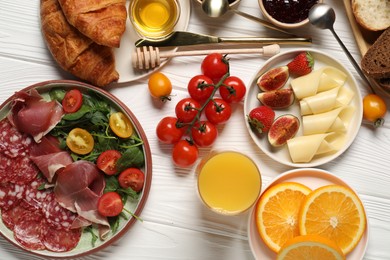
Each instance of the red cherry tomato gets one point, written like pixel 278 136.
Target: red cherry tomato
pixel 168 132
pixel 233 89
pixel 215 66
pixel 110 204
pixel 200 88
pixel 184 154
pixel 204 133
pixel 72 101
pixel 133 178
pixel 218 111
pixel 107 161
pixel 187 109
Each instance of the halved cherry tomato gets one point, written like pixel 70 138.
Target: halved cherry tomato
pixel 121 125
pixel 160 86
pixel 80 141
pixel 110 204
pixel 184 153
pixel 187 109
pixel 218 111
pixel 374 109
pixel 204 133
pixel 133 178
pixel 107 161
pixel 233 89
pixel 200 88
pixel 72 101
pixel 215 66
pixel 168 132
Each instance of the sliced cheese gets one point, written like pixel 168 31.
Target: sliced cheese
pixel 336 120
pixel 317 81
pixel 326 101
pixel 303 149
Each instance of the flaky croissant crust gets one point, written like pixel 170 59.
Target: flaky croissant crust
pixel 104 21
pixel 73 51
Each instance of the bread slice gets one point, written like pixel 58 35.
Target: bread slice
pixel 376 61
pixel 373 15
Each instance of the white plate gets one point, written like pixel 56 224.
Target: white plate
pixel 85 246
pixel 312 178
pixel 281 155
pixel 123 54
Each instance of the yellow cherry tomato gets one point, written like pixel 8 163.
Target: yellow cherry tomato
pixel 80 141
pixel 374 109
pixel 121 125
pixel 160 86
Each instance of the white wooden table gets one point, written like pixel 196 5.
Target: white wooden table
pixel 176 225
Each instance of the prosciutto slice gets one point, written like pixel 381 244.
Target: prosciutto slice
pixel 32 114
pixel 48 157
pixel 78 189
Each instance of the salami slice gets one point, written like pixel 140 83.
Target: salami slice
pixel 61 240
pixel 12 216
pixel 12 142
pixel 5 164
pixel 35 197
pixel 28 230
pixel 57 216
pixel 22 171
pixel 10 195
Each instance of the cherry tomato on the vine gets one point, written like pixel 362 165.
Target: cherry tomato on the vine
pixel 72 101
pixel 233 89
pixel 160 86
pixel 133 178
pixel 167 130
pixel 187 109
pixel 374 109
pixel 204 133
pixel 184 153
pixel 200 88
pixel 215 66
pixel 218 111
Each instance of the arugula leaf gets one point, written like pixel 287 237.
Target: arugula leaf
pixel 94 236
pixel 132 157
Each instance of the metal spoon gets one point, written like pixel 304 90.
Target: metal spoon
pixel 217 8
pixel 323 17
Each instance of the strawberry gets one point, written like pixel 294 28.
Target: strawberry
pixel 261 118
pixel 302 64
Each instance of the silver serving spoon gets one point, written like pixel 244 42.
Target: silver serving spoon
pixel 217 8
pixel 323 17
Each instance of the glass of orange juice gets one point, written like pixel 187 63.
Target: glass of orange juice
pixel 154 19
pixel 229 182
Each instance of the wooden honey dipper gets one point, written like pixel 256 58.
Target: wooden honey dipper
pixel 148 57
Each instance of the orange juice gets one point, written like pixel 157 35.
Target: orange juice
pixel 229 182
pixel 154 18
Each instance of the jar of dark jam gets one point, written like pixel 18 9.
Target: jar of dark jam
pixel 289 11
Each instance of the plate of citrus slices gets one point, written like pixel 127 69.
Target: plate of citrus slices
pixel 286 219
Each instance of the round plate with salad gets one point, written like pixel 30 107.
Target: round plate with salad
pixel 75 169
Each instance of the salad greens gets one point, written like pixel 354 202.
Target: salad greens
pixel 93 116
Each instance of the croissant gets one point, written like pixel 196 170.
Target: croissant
pixel 104 21
pixel 73 51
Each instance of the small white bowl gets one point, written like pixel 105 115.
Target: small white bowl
pixel 280 23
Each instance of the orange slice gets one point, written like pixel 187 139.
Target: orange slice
pixel 277 213
pixel 310 247
pixel 334 212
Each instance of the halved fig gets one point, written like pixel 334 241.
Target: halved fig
pixel 277 99
pixel 283 129
pixel 273 79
